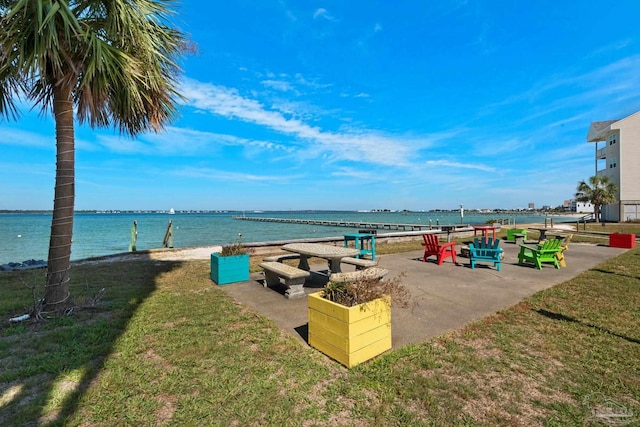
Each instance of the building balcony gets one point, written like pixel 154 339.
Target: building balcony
pixel 601 154
pixel 612 174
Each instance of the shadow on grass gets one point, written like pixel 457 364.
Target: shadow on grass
pixel 57 360
pixel 562 317
pixel 618 273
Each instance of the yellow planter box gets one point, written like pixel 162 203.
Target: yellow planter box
pixel 350 335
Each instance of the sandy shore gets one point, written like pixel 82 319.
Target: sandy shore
pixel 185 254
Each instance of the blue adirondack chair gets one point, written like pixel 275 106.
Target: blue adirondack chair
pixel 485 250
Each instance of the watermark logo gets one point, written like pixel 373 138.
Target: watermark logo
pixel 606 411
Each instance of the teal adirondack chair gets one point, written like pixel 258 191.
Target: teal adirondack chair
pixel 485 250
pixel 545 252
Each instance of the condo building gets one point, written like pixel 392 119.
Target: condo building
pixel 617 156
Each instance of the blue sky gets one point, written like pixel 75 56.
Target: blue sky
pixel 360 105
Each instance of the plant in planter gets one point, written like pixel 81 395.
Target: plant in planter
pixel 351 321
pixel 231 264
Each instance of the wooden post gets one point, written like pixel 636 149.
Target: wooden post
pixel 134 237
pixel 167 242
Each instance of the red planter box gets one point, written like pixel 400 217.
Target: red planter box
pixel 620 240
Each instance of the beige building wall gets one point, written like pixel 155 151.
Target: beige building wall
pixel 617 157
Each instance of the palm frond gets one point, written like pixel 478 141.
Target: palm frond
pixel 117 58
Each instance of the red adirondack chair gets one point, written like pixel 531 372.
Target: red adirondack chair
pixel 432 246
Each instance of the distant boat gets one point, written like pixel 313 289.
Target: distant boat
pixel 172 211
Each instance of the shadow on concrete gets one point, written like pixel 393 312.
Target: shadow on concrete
pixel 303 331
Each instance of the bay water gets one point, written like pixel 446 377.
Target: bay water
pixel 25 236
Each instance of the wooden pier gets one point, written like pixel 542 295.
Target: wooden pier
pixel 357 224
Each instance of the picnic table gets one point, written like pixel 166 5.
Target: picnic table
pixel 484 230
pixel 365 242
pixel 331 253
pixel 556 232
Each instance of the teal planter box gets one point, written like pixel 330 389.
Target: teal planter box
pixel 512 231
pixel 229 269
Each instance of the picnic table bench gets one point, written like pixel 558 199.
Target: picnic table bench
pixel 281 257
pixel 293 277
pixel 519 238
pixel 360 263
pixel 514 233
pixel 373 273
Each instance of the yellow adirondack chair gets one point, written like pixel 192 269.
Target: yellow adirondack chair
pixel 564 246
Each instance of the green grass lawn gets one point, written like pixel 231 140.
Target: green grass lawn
pixel 166 346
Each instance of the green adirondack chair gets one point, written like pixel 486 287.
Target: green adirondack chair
pixel 545 252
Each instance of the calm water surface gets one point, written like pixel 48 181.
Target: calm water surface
pixel 26 236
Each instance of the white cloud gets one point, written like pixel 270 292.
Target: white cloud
pixel 121 145
pixel 18 170
pixel 353 145
pixel 231 176
pixel 602 83
pixel 615 46
pixel 358 174
pixel 323 13
pixel 300 79
pixel 457 165
pixel 278 85
pixel 184 142
pixel 502 145
pixel 19 137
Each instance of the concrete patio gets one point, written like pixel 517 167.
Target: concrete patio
pixel 443 298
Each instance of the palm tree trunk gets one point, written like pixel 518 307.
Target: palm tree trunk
pixel 59 262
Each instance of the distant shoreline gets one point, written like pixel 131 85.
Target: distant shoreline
pixel 195 211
